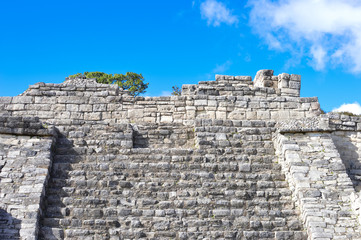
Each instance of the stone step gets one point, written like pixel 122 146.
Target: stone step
pixel 211 172
pixel 206 223
pixel 81 200
pixel 245 149
pixel 192 233
pixel 143 193
pixel 211 196
pixel 91 212
pixel 173 182
pixel 201 170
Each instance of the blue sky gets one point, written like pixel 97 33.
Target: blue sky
pixel 183 42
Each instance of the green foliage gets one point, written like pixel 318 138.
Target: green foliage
pixel 78 75
pixel 100 77
pixel 176 91
pixel 132 82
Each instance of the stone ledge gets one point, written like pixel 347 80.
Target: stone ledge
pixel 313 124
pixel 324 123
pixel 25 126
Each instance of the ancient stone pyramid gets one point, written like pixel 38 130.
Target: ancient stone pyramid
pixel 228 159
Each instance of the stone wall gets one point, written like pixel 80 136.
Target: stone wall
pixel 84 100
pixel 320 157
pixel 320 184
pixel 25 161
pixel 228 159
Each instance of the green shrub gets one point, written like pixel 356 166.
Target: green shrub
pixel 133 82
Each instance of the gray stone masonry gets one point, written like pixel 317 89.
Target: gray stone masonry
pixel 25 161
pixel 228 159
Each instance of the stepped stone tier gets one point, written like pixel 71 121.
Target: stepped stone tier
pixel 228 159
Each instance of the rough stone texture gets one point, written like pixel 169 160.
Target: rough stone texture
pixel 25 162
pixel 320 184
pixel 229 159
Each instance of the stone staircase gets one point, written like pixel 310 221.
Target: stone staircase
pixel 318 178
pixel 228 187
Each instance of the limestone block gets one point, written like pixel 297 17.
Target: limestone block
pixel 72 107
pixel 98 100
pixel 45 114
pixel 58 108
pixel 251 115
pixel 86 108
pixel 349 124
pixel 93 116
pixel 237 115
pixel 166 119
pixel 15 107
pixel 306 106
pixel 5 100
pixel 76 100
pixel 297 114
pixel 135 113
pixel 100 107
pixel 200 102
pixel 221 212
pixel 263 115
pixel 264 105
pixel 62 115
pixel 62 99
pixel 254 105
pixel 165 108
pixel 43 107
pixel 283 80
pixel 295 77
pixel 263 77
pixel 246 167
pixel 295 85
pixel 241 104
pixel 149 119
pixel 22 99
pixel 212 103
pixel 243 78
pixel 290 92
pixel 284 114
pixel 283 83
pixel 315 105
pixel 221 115
pixel 221 136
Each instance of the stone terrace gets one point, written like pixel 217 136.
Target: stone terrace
pixel 228 159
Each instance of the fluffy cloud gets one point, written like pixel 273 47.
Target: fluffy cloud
pixel 354 108
pixel 223 67
pixel 326 31
pixel 216 13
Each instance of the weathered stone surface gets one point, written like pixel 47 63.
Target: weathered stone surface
pixel 229 159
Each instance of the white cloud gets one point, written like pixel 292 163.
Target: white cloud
pixel 354 108
pixel 327 31
pixel 223 67
pixel 216 13
pixel 319 57
pixel 166 93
